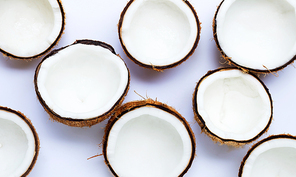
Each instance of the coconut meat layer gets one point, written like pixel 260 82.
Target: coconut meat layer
pixel 17 145
pixel 82 81
pixel 29 27
pixel 273 158
pixel 159 32
pixel 149 142
pixel 234 105
pixel 258 34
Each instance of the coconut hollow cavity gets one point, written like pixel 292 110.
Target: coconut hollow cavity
pixel 19 143
pixel 30 28
pixel 158 34
pixel 272 157
pixel 256 35
pixel 148 138
pixel 232 107
pixel 82 84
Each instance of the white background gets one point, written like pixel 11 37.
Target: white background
pixel 64 150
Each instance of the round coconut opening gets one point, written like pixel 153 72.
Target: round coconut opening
pixel 30 28
pixel 83 81
pixel 159 34
pixel 19 143
pixel 147 138
pixel 272 157
pixel 232 107
pixel 257 35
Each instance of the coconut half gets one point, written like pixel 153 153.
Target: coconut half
pixel 257 35
pixel 81 84
pixel 148 138
pixel 232 107
pixel 30 28
pixel 158 34
pixel 19 144
pixel 272 157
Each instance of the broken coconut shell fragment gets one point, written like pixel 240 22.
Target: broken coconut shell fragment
pixel 273 156
pixel 232 107
pixel 81 84
pixel 256 35
pixel 159 34
pixel 30 28
pixel 148 138
pixel 19 143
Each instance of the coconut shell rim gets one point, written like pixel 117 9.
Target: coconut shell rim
pixel 53 44
pixel 34 132
pixel 132 105
pixel 269 138
pixel 213 136
pixel 231 62
pixel 80 122
pixel 158 67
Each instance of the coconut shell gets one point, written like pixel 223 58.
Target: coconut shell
pixel 12 56
pixel 280 136
pixel 36 138
pixel 144 103
pixel 155 67
pixel 232 63
pixel 214 137
pixel 79 122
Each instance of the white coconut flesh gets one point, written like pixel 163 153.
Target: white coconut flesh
pixel 29 27
pixel 82 81
pixel 234 105
pixel 257 34
pixel 159 32
pixel 17 145
pixel 149 142
pixel 272 158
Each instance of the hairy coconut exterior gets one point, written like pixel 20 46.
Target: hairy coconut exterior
pixel 145 103
pixel 36 138
pixel 230 62
pixel 12 56
pixel 155 67
pixel 79 122
pixel 272 137
pixel 214 137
